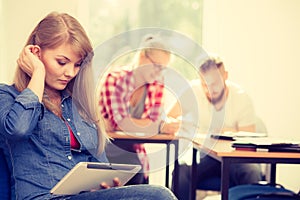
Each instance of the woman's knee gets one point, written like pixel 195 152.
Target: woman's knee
pixel 137 192
pixel 154 192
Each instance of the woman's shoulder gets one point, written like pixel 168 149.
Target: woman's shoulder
pixel 7 88
pixel 8 92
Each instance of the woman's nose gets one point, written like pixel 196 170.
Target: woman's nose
pixel 70 71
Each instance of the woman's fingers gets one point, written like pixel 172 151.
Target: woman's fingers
pixel 29 60
pixel 116 182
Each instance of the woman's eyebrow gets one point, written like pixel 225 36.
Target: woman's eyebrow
pixel 64 57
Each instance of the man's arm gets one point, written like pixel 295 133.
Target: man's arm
pixel 129 124
pixel 250 128
pixel 246 117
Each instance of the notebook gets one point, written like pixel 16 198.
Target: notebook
pixel 267 144
pixel 89 175
pixel 236 135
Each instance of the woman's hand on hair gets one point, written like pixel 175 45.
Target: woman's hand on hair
pixel 29 59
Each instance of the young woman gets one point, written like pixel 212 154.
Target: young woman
pixel 48 123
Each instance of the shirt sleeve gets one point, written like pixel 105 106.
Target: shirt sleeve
pixel 113 103
pixel 20 113
pixel 155 103
pixel 246 115
pixel 119 102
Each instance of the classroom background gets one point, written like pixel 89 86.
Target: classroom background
pixel 258 40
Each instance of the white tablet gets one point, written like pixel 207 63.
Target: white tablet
pixel 89 175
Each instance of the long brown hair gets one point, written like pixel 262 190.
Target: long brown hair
pixel 51 32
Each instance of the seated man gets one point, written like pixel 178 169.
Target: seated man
pixel 131 101
pixel 223 106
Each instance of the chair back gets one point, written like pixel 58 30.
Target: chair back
pixel 4 178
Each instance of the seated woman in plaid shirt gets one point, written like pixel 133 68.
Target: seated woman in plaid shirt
pixel 131 101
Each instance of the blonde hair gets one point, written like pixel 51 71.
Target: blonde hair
pixel 51 32
pixel 149 44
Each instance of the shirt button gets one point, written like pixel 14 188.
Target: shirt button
pixel 70 157
pixel 68 119
pixel 62 105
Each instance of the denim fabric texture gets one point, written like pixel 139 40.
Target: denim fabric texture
pixel 132 192
pixel 36 142
pixel 4 178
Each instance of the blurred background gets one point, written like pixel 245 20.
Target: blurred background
pixel 258 40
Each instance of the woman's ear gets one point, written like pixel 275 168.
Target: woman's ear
pixel 36 50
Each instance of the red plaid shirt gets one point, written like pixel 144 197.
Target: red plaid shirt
pixel 114 104
pixel 115 98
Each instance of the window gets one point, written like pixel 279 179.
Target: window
pixel 108 18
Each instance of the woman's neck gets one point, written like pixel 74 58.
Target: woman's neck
pixel 54 98
pixel 52 93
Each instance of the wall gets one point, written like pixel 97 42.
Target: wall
pixel 259 42
pixel 2 49
pixel 18 20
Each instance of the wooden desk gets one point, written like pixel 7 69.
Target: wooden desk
pixel 221 150
pixel 168 140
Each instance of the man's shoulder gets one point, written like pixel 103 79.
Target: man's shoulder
pixel 235 88
pixel 237 93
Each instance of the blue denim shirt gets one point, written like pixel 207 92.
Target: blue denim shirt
pixel 37 142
